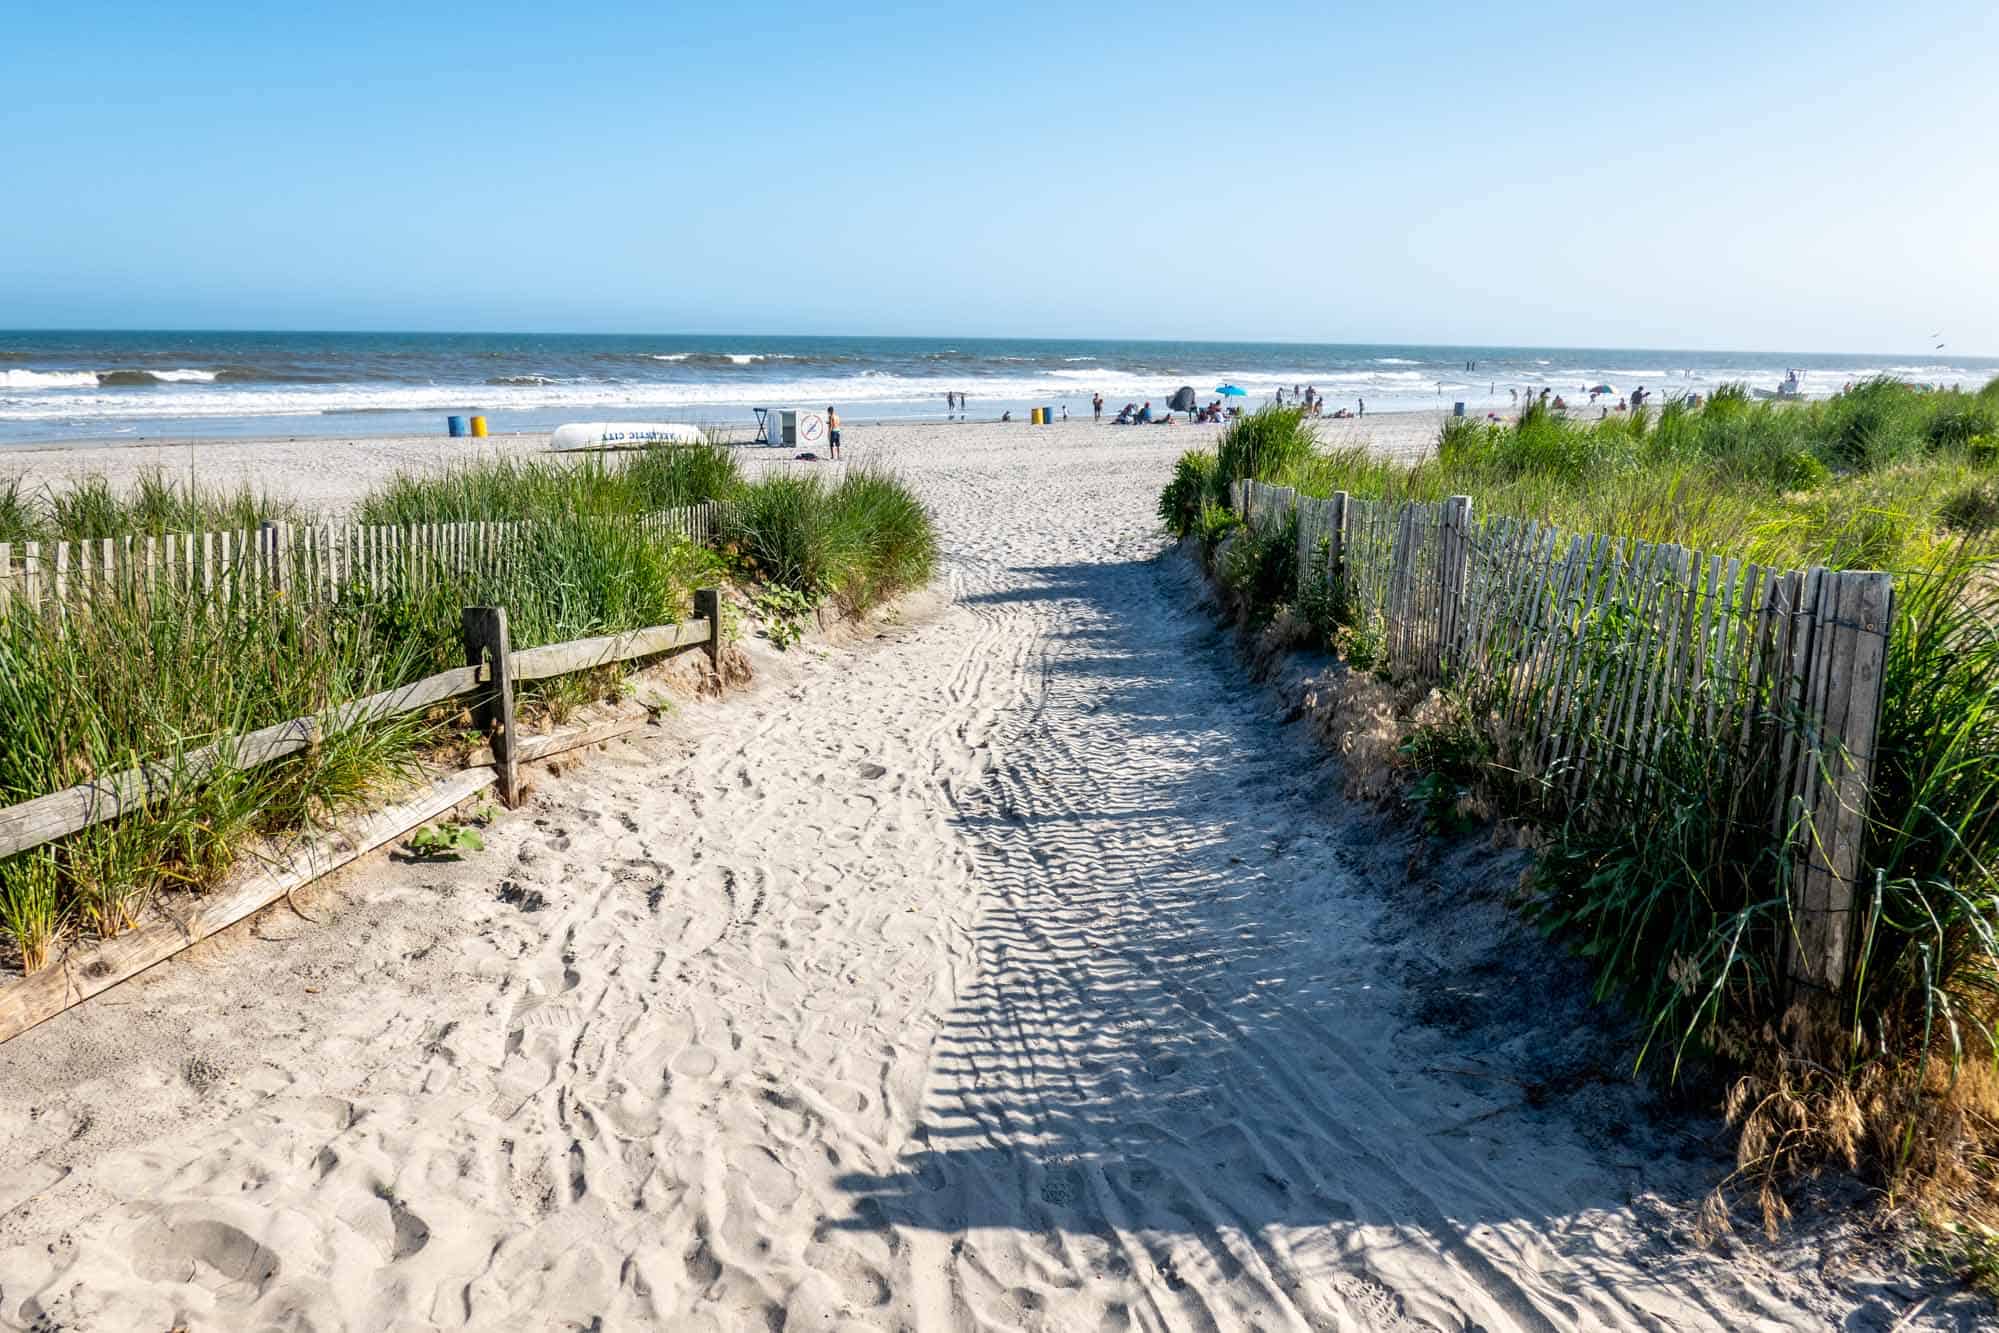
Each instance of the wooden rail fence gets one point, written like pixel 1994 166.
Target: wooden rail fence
pixel 492 670
pixel 1592 651
pixel 318 560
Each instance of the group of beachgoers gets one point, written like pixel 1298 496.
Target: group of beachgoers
pixel 1555 402
pixel 1141 414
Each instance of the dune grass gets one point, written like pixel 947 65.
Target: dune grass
pixel 511 489
pixel 1682 901
pixel 1877 478
pixel 857 541
pixel 157 503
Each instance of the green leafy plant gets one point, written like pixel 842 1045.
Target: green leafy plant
pixel 784 612
pixel 445 841
pixel 1448 756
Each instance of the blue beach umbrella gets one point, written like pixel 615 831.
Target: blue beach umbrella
pixel 1230 391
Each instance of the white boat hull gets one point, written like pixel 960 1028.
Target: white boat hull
pixel 622 435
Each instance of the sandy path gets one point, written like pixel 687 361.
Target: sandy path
pixel 1007 971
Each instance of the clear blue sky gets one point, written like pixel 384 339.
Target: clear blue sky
pixel 1778 176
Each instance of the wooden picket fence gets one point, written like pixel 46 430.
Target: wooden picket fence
pixel 1589 651
pixel 315 560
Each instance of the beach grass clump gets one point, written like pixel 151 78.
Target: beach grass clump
pixel 19 522
pixel 855 541
pixel 1263 445
pixel 1191 490
pixel 158 502
pixel 510 489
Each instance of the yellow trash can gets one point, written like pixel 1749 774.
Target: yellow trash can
pixel 479 427
pixel 1034 416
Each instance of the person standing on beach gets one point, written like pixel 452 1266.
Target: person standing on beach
pixel 1363 406
pixel 832 432
pixel 1096 407
pixel 950 401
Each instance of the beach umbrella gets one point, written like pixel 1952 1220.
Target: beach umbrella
pixel 1230 391
pixel 1183 399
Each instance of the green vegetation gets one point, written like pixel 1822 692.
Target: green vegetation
pixel 450 839
pixel 511 489
pixel 158 503
pixel 1681 902
pixel 1876 478
pixel 857 541
pixel 124 680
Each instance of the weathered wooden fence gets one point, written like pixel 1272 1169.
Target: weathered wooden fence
pixel 1592 652
pixel 492 670
pixel 313 560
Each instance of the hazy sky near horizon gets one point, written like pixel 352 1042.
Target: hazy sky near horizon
pixel 1786 177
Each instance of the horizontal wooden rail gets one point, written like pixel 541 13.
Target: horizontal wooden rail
pixel 59 814
pixel 560 659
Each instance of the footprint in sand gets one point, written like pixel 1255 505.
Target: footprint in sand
pixel 695 1062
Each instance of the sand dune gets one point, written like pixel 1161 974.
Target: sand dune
pixel 1006 969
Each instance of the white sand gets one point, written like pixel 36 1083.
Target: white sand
pixel 1010 970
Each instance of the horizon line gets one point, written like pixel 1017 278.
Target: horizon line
pixel 979 337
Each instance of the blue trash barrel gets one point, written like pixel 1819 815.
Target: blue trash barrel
pixel 1457 409
pixel 456 425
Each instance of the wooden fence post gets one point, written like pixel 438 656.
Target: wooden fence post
pixel 271 549
pixel 486 645
pixel 1452 561
pixel 1336 539
pixel 708 604
pixel 1849 647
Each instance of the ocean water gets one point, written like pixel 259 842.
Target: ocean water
pixel 122 386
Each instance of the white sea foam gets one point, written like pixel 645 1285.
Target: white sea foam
pixel 48 379
pixel 671 356
pixel 184 376
pixel 24 395
pixel 1395 361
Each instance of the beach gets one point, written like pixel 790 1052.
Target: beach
pixel 1006 963
pixel 330 474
